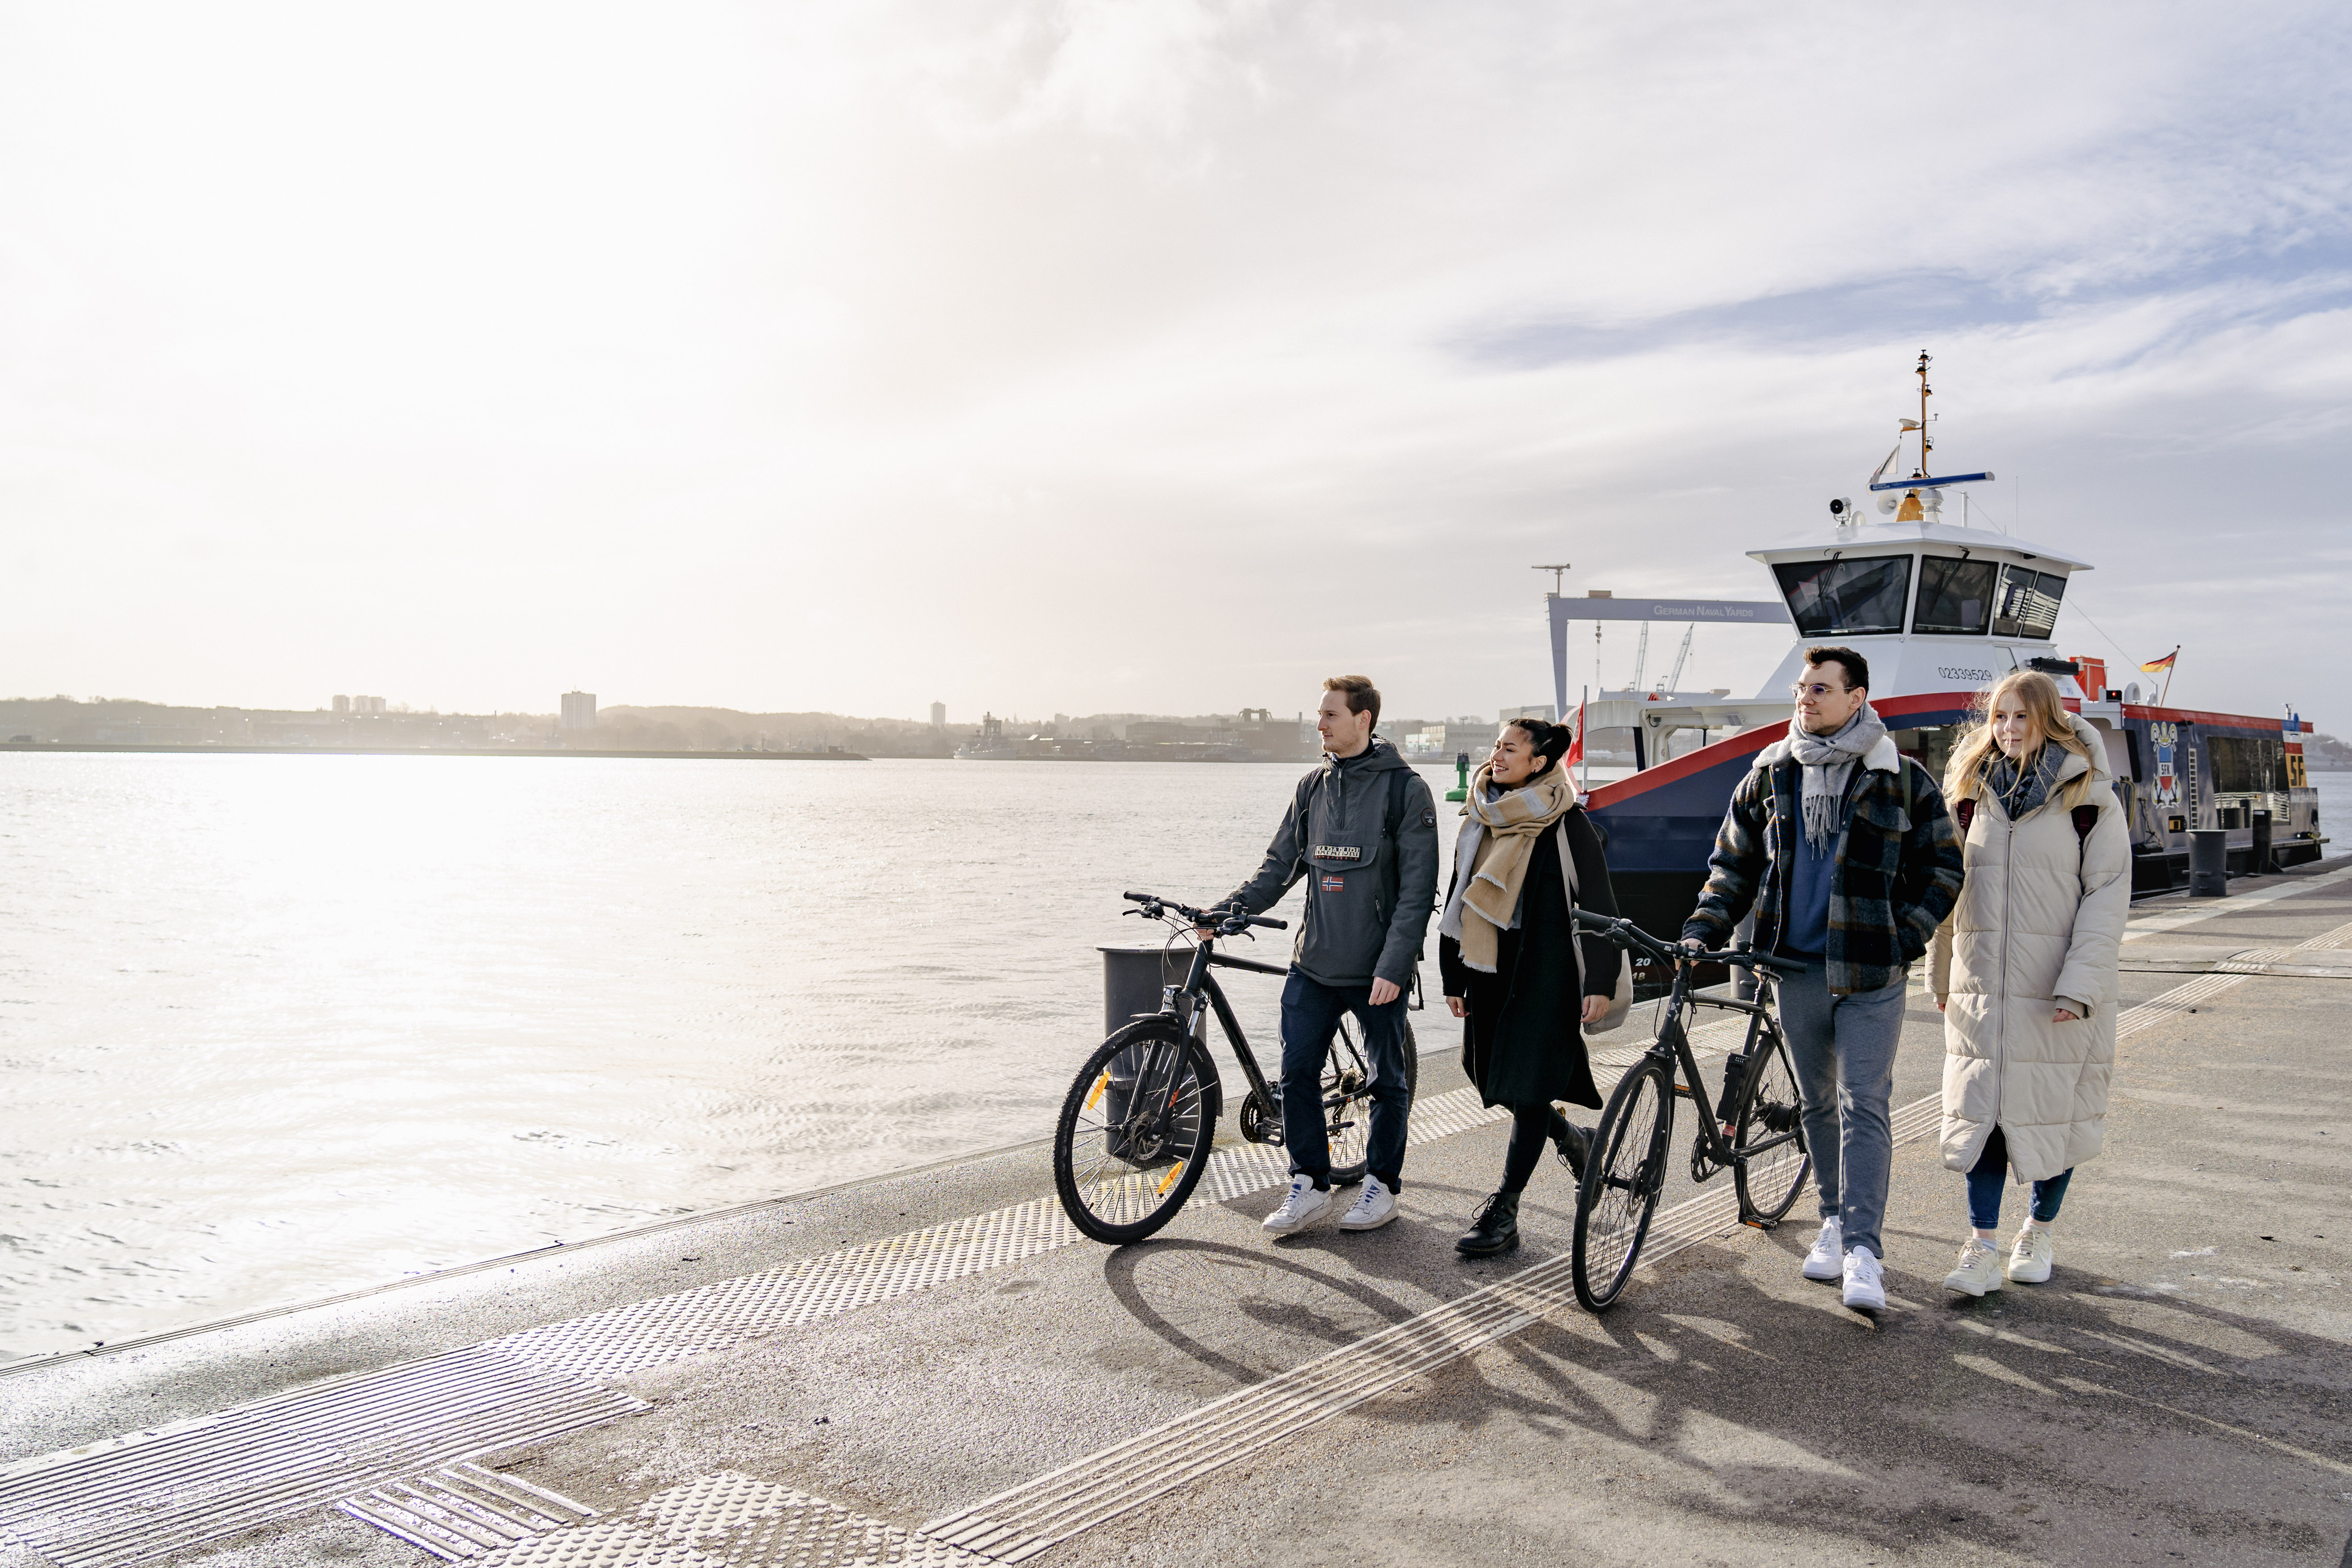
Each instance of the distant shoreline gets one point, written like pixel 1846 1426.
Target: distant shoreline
pixel 427 751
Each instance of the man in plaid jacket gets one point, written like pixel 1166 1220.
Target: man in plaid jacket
pixel 1842 847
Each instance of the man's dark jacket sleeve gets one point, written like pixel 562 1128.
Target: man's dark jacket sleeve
pixel 1735 871
pixel 1282 868
pixel 1927 887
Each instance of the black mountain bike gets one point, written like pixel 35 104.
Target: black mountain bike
pixel 1137 1128
pixel 1755 1131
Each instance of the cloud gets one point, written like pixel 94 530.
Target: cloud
pixel 1128 355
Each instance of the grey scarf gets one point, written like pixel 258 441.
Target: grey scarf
pixel 1828 761
pixel 2022 791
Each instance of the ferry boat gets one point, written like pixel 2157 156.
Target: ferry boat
pixel 987 743
pixel 1940 610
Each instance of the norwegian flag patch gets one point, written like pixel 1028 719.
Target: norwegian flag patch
pixel 1333 884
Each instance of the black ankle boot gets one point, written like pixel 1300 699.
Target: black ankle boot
pixel 1493 1229
pixel 1571 1143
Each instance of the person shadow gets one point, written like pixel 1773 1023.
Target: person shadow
pixel 2087 1410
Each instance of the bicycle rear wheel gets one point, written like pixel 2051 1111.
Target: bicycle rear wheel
pixel 1135 1131
pixel 1623 1175
pixel 1348 1100
pixel 1769 1160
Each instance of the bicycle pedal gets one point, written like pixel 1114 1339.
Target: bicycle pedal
pixel 1754 1223
pixel 1684 1091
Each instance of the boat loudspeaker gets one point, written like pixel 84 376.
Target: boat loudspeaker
pixel 1842 508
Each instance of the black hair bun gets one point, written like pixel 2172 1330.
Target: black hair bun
pixel 1549 740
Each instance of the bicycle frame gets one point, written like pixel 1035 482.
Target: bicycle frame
pixel 1199 982
pixel 1672 1045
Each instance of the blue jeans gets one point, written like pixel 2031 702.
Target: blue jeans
pixel 1843 1051
pixel 1311 1012
pixel 1985 1182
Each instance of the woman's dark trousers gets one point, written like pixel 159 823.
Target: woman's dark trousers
pixel 1533 1127
pixel 1992 1172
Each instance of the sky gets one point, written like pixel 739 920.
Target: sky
pixel 1137 355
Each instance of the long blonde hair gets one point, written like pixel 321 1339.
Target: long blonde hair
pixel 1977 748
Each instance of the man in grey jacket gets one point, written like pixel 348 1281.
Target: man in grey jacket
pixel 1362 830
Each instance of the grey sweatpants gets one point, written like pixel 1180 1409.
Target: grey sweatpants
pixel 1844 1048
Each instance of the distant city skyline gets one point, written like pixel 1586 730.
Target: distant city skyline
pixel 1029 354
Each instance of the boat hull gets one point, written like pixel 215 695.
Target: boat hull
pixel 1659 825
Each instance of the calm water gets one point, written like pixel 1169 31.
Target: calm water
pixel 275 1027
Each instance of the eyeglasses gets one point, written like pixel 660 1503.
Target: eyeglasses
pixel 1816 691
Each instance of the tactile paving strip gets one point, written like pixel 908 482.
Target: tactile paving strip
pixel 716 1317
pixel 739 1521
pixel 1016 1525
pixel 664 1329
pixel 289 1454
pixel 2231 972
pixel 463 1511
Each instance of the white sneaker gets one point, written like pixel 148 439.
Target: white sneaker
pixel 1826 1261
pixel 1374 1208
pixel 1301 1207
pixel 1865 1290
pixel 2030 1258
pixel 1979 1269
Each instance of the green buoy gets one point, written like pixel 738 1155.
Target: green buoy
pixel 1461 790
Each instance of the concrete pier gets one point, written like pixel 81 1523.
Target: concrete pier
pixel 931 1368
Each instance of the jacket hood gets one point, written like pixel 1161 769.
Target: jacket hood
pixel 2093 743
pixel 1380 757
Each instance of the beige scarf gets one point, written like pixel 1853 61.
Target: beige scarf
pixel 1514 824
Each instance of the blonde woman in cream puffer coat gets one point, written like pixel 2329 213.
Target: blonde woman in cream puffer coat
pixel 2025 971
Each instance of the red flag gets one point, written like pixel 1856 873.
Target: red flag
pixel 1575 746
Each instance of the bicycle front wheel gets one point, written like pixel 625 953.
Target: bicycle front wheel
pixel 1135 1131
pixel 1348 1100
pixel 1769 1160
pixel 1623 1174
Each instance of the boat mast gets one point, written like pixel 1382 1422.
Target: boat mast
pixel 1927 443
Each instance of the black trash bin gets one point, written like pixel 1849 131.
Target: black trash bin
pixel 2208 862
pixel 2260 862
pixel 1132 980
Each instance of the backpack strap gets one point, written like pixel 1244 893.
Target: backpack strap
pixel 1964 811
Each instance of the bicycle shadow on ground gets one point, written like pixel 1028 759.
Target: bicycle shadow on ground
pixel 2032 1421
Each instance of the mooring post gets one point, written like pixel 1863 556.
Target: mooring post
pixel 2209 863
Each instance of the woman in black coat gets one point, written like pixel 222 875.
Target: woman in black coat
pixel 1508 952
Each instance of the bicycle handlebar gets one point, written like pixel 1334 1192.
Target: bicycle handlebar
pixel 1626 934
pixel 1231 923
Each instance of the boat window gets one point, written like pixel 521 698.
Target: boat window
pixel 2027 603
pixel 1849 597
pixel 1955 596
pixel 2246 764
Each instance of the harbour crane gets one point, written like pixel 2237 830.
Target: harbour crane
pixel 1682 657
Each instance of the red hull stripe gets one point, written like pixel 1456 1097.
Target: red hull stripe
pixel 1749 741
pixel 2197 716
